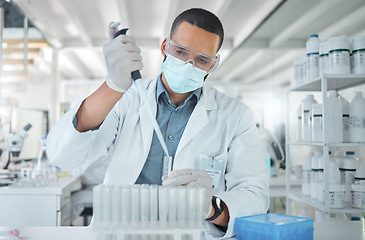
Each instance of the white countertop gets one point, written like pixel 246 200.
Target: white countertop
pixel 322 231
pixel 58 188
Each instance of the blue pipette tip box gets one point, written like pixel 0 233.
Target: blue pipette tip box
pixel 273 226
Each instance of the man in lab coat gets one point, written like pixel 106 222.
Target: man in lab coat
pixel 212 138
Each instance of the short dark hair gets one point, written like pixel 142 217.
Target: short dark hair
pixel 201 18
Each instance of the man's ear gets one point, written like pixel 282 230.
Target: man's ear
pixel 163 47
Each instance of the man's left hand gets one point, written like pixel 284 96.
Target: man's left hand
pixel 195 178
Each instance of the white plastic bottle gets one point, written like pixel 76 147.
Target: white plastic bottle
pixel 324 61
pixel 314 175
pixel 334 118
pixel 307 117
pixel 320 176
pixel 336 189
pixel 317 123
pixel 299 69
pixel 312 48
pixel 348 169
pixel 299 124
pixel 357 118
pixel 345 118
pixel 360 173
pixel 306 175
pixel 339 55
pixel 358 54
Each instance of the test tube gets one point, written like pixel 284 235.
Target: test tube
pixel 107 210
pixel 97 210
pixel 191 202
pixel 125 210
pixel 135 206
pixel 200 207
pixel 181 206
pixel 163 199
pixel 172 206
pixel 115 206
pixel 167 164
pixel 153 205
pixel 145 204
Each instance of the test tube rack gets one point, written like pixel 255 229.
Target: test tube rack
pixel 148 212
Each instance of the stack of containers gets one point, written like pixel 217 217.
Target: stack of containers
pixel 332 56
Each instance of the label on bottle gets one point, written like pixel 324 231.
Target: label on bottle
pixel 357 122
pixel 339 61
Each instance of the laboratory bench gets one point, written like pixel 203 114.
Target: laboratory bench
pixel 38 206
pixel 322 231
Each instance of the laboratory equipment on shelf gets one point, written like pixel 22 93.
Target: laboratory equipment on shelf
pixel 148 211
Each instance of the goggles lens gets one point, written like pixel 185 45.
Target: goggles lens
pixel 199 60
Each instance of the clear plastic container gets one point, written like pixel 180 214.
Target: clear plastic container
pixel 273 226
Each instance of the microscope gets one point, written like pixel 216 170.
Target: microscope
pixel 15 142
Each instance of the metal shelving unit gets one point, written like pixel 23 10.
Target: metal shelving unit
pixel 323 85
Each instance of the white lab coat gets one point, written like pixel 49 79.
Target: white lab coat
pixel 219 126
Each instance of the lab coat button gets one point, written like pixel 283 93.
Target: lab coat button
pixel 175 110
pixel 171 137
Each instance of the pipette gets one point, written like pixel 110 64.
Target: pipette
pixel 136 76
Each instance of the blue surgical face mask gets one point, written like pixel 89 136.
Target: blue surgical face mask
pixel 182 77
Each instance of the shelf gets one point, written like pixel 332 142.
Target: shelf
pixel 334 82
pixel 327 144
pixel 314 203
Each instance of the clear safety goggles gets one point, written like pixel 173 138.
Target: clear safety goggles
pixel 186 55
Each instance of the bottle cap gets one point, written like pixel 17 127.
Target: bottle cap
pixel 336 43
pixel 358 43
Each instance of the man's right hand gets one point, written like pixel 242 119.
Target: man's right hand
pixel 122 57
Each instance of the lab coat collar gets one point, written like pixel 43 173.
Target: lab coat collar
pixel 198 119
